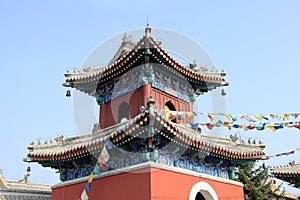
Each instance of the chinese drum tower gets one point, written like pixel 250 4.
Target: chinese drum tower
pixel 145 145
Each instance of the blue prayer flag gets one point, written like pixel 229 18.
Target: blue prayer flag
pixel 88 186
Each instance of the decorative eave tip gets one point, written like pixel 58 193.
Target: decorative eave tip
pixel 27 159
pixel 66 84
pixel 226 83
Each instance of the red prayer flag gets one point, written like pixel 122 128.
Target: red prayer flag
pixel 250 127
pixel 297 126
pixel 210 126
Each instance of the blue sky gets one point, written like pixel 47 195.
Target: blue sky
pixel 256 42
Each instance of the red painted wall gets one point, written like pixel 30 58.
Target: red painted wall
pixel 109 112
pixel 172 185
pixel 143 185
pixel 131 186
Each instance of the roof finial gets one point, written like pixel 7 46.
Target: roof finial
pixel 151 102
pixel 147 29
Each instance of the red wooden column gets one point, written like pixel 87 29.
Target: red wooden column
pixel 147 88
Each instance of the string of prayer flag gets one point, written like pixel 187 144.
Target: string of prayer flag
pixel 257 122
pixel 234 117
pixel 282 154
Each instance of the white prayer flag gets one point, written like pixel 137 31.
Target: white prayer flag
pixel 84 195
pixel 104 156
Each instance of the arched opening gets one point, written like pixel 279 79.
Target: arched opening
pixel 170 106
pixel 123 111
pixel 199 196
pixel 203 191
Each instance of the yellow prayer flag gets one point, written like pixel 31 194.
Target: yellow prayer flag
pixel 287 116
pixel 91 177
pixel 258 117
pixel 112 134
pixel 298 149
pixel 168 113
pixel 271 128
pixel 226 124
pixel 228 116
pixel 190 115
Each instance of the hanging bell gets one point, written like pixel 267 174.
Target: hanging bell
pixel 223 92
pixel 28 169
pixel 68 94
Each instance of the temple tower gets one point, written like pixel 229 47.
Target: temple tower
pixel 144 146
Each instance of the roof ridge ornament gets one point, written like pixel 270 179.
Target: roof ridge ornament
pixel 147 30
pixel 127 38
pixel 193 65
pixel 292 163
pixel 59 139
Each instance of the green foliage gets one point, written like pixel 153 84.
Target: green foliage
pixel 257 185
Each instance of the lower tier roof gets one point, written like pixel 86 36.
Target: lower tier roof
pixel 150 120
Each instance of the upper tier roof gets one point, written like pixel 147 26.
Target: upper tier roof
pixel 130 55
